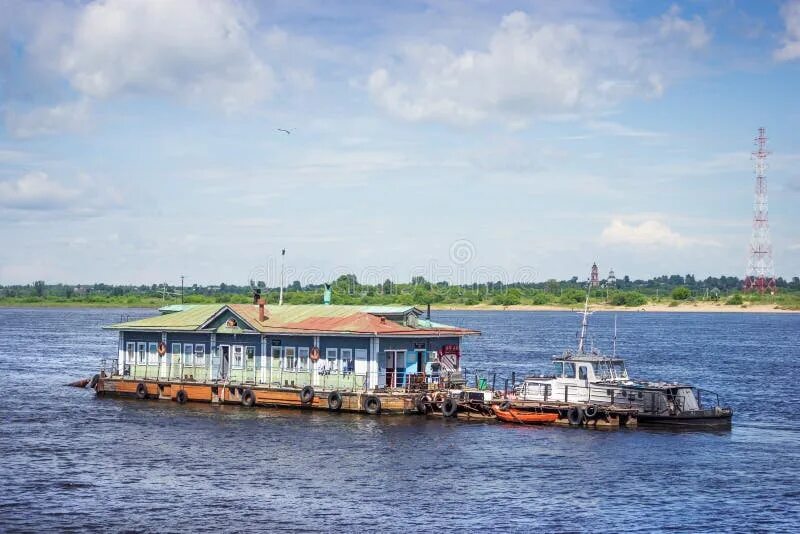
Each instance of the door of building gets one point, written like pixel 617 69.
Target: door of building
pixel 225 361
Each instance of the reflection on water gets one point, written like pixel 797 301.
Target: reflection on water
pixel 79 462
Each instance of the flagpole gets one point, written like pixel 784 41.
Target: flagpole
pixel 280 298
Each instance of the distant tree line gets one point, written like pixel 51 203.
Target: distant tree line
pixel 348 290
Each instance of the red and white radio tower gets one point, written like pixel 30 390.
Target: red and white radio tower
pixel 760 274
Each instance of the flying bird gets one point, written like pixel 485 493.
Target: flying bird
pixel 282 130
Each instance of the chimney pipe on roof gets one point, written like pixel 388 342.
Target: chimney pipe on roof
pixel 429 312
pixel 261 315
pixel 256 294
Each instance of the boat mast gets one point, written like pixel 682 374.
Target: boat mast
pixel 614 342
pixel 584 322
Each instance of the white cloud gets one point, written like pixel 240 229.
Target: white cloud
pixel 187 48
pixel 531 68
pixel 620 130
pixel 35 191
pixel 66 117
pixel 693 30
pixel 85 196
pixel 790 11
pixel 647 234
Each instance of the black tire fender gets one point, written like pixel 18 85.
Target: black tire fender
pixel 422 404
pixel 505 405
pixel 181 396
pixel 141 391
pixel 248 398
pixel 575 416
pixel 335 401
pixel 94 381
pixel 449 407
pixel 307 395
pixel 372 405
pixel 590 410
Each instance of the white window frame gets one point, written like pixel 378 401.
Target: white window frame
pixel 199 355
pixel 247 349
pixel 290 358
pixel 234 350
pixel 130 352
pixel 141 353
pixel 302 358
pixel 188 355
pixel 348 364
pixel 152 353
pixel 332 363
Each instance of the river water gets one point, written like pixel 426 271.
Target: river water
pixel 71 461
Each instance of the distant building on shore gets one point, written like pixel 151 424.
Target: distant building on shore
pixel 594 281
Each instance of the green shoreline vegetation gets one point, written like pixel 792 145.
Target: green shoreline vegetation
pixel 669 291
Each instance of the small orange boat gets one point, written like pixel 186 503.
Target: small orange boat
pixel 524 417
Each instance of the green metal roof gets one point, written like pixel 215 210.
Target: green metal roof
pixel 306 318
pixel 174 308
pixel 189 319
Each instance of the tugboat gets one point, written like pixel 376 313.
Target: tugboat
pixel 596 380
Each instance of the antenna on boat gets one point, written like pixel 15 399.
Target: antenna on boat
pixel 614 339
pixel 585 321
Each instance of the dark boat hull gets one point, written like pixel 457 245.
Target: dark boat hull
pixel 707 420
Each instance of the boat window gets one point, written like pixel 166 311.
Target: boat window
pixel 619 370
pixel 141 354
pixel 583 373
pixel 238 357
pixel 188 355
pixel 347 361
pixel 599 370
pixel 200 355
pixel 130 352
pixel 176 349
pixel 302 358
pixel 558 368
pixel 250 356
pixel 569 370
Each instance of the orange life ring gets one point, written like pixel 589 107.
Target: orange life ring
pixel 162 348
pixel 314 354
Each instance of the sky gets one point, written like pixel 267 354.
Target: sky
pixel 460 141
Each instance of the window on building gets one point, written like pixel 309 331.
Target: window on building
pixel 569 370
pixel 348 365
pixel 250 357
pixel 176 350
pixel 152 354
pixel 188 355
pixel 331 356
pixel 141 354
pixel 302 358
pixel 200 355
pixel 290 358
pixel 130 352
pixel 238 357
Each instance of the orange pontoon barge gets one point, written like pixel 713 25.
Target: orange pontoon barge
pixel 373 359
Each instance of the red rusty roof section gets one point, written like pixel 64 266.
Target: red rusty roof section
pixel 334 319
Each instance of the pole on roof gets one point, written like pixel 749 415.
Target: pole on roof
pixel 181 289
pixel 280 297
